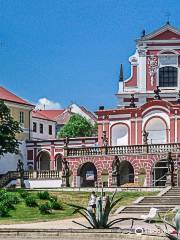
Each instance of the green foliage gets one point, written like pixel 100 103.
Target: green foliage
pixel 45 208
pixel 98 220
pixel 8 201
pixel 9 197
pixel 55 205
pixel 8 130
pixel 77 126
pixel 24 194
pixel 53 198
pixel 44 195
pixel 31 201
pixel 4 210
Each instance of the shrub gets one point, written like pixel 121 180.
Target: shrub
pixel 53 198
pixel 44 195
pixel 9 199
pixel 31 201
pixel 4 210
pixel 13 198
pixel 55 205
pixel 24 194
pixel 8 204
pixel 45 208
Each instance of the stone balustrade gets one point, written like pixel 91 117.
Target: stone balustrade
pixel 124 150
pixel 45 174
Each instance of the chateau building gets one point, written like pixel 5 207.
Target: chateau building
pixel 139 141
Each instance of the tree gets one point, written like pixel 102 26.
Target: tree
pixel 78 126
pixel 8 130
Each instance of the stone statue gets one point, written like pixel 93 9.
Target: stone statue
pixel 157 91
pixel 115 166
pixel 65 171
pixel 20 169
pixel 145 137
pixel 66 142
pixel 132 101
pixel 104 139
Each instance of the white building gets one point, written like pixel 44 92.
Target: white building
pixel 43 127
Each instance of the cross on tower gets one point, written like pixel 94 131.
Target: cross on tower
pixel 168 15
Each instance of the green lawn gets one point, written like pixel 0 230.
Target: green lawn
pixel 22 213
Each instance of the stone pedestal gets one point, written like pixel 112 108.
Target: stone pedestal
pixel 115 180
pixel 20 183
pixel 65 181
pixel 168 180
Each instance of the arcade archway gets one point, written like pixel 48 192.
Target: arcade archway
pixel 87 175
pixel 58 160
pixel 126 173
pixel 159 173
pixel 43 161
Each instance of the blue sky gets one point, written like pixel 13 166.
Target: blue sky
pixel 71 50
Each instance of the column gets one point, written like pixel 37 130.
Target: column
pixel 172 130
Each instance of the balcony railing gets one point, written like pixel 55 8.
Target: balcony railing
pixel 124 150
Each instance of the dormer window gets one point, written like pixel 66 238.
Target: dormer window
pixel 168 77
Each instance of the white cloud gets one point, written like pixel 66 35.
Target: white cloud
pixel 44 103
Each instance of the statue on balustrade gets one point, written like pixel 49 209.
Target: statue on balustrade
pixel 170 169
pixel 145 137
pixel 66 142
pixel 115 171
pixel 65 173
pixel 20 170
pixel 104 139
pixel 65 168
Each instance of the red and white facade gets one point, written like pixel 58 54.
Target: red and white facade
pixel 153 52
pixel 156 62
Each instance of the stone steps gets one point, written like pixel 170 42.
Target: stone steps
pixel 160 200
pixel 143 209
pixel 169 200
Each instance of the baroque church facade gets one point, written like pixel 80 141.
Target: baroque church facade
pixel 141 132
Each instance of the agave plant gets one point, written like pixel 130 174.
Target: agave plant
pixel 99 219
pixel 175 225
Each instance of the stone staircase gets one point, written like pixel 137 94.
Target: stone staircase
pixel 166 200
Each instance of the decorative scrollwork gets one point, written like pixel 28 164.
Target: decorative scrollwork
pixel 152 67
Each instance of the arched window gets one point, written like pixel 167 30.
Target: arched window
pixel 157 130
pixel 119 135
pixel 168 77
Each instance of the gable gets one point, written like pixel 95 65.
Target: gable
pixel 166 35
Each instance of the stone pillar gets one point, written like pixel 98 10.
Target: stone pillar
pixel 100 133
pixel 172 130
pixel 52 163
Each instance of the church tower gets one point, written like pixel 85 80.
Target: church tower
pixel 156 62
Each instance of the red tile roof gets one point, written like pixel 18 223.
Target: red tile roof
pixel 11 97
pixel 51 114
pixel 39 114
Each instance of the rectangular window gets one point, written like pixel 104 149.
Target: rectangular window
pixel 34 127
pixel 41 128
pixel 21 117
pixel 50 129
